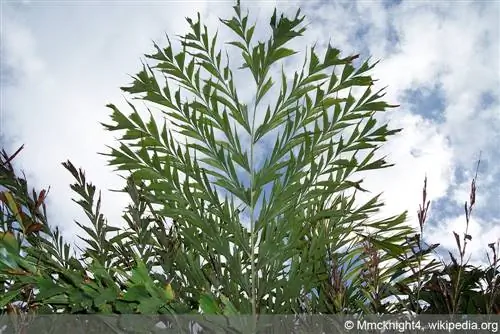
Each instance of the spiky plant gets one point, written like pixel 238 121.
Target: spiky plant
pixel 266 228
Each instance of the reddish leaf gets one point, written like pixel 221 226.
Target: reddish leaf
pixel 41 198
pixel 13 155
pixel 457 239
pixel 34 227
pixel 19 272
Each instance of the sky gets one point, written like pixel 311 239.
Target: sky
pixel 61 62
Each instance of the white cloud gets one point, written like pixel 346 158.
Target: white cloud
pixel 419 150
pixel 482 233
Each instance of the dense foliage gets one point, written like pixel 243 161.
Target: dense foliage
pixel 213 226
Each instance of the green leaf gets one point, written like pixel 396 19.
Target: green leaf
pixel 238 45
pixel 208 305
pixel 105 296
pixel 265 88
pixel 396 250
pixel 149 306
pixel 58 300
pixel 8 298
pixel 125 307
pixel 9 241
pixel 14 208
pixel 314 62
pixel 135 293
pixel 249 34
pixel 358 146
pixel 331 56
pixel 179 58
pixel 229 308
pixel 170 295
pixel 234 25
pixel 49 289
pixel 281 53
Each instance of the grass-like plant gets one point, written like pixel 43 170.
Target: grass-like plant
pixel 459 287
pixel 455 287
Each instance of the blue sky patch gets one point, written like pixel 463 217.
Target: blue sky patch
pixel 428 103
pixel 391 3
pixel 487 99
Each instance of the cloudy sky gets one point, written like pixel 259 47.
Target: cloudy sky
pixel 63 61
